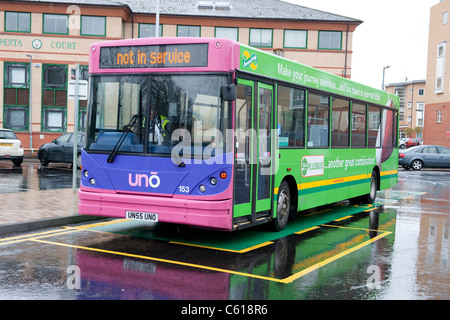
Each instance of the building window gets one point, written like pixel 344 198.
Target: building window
pixel 330 40
pixel 54 97
pixel 56 23
pixel 82 104
pixel 445 17
pixel 439 116
pixel 148 30
pixel 295 39
pixel 440 67
pixel 227 33
pixel 17 22
pixel 419 113
pixel 188 31
pixel 16 96
pixel 421 92
pixel 261 37
pixel 93 26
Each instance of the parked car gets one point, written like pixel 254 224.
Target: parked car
pixel 10 147
pixel 409 142
pixel 401 143
pixel 425 157
pixel 61 149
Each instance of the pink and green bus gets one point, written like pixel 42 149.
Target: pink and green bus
pixel 212 133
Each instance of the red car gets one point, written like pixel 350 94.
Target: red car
pixel 411 142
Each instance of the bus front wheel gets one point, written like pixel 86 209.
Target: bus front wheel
pixel 283 207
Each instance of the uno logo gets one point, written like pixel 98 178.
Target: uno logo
pixel 250 60
pixel 143 180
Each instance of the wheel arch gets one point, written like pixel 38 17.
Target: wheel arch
pixel 376 169
pixel 293 190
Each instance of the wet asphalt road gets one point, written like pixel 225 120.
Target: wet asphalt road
pixel 399 249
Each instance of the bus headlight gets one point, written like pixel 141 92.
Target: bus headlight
pixel 213 181
pixel 202 188
pixel 92 181
pixel 86 174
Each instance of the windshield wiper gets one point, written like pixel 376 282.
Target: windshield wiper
pixel 126 130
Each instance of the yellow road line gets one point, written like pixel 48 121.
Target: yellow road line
pixel 222 249
pixel 344 218
pixel 34 235
pixel 306 230
pixel 331 259
pixel 158 260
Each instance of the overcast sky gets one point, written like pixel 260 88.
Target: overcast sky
pixel 394 33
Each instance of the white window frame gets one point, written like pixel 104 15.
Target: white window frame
pixel 440 67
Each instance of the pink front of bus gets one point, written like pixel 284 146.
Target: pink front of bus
pixel 159 131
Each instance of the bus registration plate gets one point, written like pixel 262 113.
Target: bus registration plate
pixel 143 216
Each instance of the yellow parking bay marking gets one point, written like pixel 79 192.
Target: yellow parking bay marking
pixel 306 230
pixel 198 266
pixel 316 266
pixel 343 218
pixel 223 249
pixel 158 260
pixel 36 236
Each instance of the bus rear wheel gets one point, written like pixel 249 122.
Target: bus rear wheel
pixel 283 207
pixel 372 195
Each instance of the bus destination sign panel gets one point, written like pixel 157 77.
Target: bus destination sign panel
pixel 154 56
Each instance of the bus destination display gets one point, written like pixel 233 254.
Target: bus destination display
pixel 154 56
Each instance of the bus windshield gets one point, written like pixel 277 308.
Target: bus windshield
pixel 154 113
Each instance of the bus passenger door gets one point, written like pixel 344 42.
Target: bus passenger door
pixel 263 118
pixel 253 149
pixel 243 153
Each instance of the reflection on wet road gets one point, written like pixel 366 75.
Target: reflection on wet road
pixel 398 249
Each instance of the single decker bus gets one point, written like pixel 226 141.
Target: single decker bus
pixel 212 133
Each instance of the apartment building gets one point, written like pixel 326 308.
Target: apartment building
pixel 41 41
pixel 412 107
pixel 437 120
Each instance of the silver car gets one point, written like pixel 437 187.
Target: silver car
pixel 10 147
pixel 424 157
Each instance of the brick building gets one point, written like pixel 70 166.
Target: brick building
pixel 41 41
pixel 437 119
pixel 412 107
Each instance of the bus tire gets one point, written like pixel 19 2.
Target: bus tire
pixel 372 195
pixel 283 207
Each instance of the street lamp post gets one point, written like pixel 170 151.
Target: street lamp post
pixel 30 125
pixel 384 69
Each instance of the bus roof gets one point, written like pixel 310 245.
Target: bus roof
pixel 179 54
pixel 262 63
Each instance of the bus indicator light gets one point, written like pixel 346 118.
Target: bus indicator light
pixel 223 175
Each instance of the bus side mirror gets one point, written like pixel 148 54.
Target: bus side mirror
pixel 228 92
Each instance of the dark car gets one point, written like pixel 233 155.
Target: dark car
pixel 425 157
pixel 61 149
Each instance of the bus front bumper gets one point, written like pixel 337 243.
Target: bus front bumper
pixel 209 214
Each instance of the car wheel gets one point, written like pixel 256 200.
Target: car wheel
pixel 283 207
pixel 17 162
pixel 417 165
pixel 79 161
pixel 43 158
